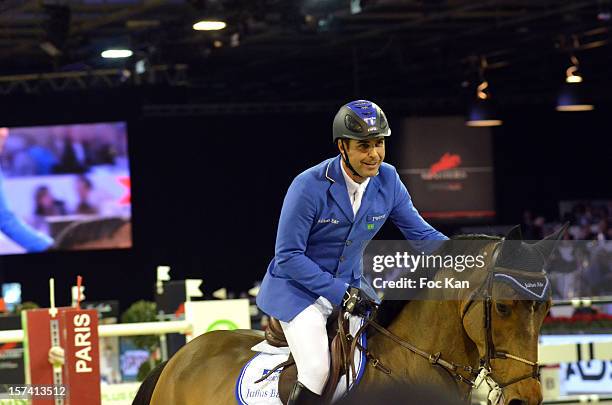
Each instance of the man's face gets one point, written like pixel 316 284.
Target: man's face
pixel 366 156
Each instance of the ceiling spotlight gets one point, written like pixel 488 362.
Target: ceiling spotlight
pixel 604 10
pixel 482 111
pixel 603 16
pixel 571 75
pixel 235 40
pixel 206 25
pixel 573 79
pixel 117 53
pixel 573 96
pixel 50 48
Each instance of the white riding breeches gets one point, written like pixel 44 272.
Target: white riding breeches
pixel 306 335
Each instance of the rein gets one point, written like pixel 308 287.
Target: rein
pixel 476 375
pixel 435 359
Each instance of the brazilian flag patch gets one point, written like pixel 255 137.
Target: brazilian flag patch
pixel 370 226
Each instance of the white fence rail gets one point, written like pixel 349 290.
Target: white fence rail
pixel 120 329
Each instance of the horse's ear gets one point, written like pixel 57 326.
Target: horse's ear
pixel 514 233
pixel 559 234
pixel 548 244
pixel 512 242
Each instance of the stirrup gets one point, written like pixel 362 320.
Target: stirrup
pixel 300 395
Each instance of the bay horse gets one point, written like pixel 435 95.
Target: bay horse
pixel 452 344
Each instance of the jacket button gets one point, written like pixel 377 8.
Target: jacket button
pixel 348 242
pixel 341 258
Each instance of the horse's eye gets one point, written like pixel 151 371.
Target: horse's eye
pixel 502 309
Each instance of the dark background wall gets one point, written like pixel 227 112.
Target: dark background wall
pixel 207 190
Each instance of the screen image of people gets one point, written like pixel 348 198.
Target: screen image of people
pixel 64 187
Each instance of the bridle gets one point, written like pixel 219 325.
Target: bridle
pixel 473 377
pixel 485 292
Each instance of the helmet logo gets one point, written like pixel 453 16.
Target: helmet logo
pixel 370 121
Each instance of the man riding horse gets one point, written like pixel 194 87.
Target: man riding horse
pixel 328 212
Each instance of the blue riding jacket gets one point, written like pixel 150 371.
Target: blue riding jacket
pixel 319 242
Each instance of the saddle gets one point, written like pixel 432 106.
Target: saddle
pixel 341 353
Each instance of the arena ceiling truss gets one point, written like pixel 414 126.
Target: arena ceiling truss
pixel 310 49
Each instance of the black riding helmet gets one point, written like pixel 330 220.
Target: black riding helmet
pixel 359 119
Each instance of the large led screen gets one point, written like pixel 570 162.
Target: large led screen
pixel 64 187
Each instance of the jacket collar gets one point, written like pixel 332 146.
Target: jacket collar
pixel 339 191
pixel 337 188
pixel 332 171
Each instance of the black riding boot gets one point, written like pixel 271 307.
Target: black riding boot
pixel 300 395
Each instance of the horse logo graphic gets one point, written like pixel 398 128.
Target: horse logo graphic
pixel 446 162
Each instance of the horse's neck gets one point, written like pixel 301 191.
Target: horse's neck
pixel 432 326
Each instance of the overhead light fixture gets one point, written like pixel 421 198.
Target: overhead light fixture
pixel 117 53
pixel 571 74
pixel 235 40
pixel 50 49
pixel 206 25
pixel 140 67
pixel 482 111
pixel 604 10
pixel 573 95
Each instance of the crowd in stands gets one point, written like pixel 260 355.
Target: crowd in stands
pixel 582 264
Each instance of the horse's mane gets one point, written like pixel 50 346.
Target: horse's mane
pixel 390 309
pixel 81 232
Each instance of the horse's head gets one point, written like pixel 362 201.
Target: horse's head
pixel 503 314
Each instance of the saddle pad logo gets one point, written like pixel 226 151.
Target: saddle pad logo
pixel 527 286
pixel 265 392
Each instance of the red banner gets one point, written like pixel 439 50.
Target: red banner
pixel 82 367
pixel 76 331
